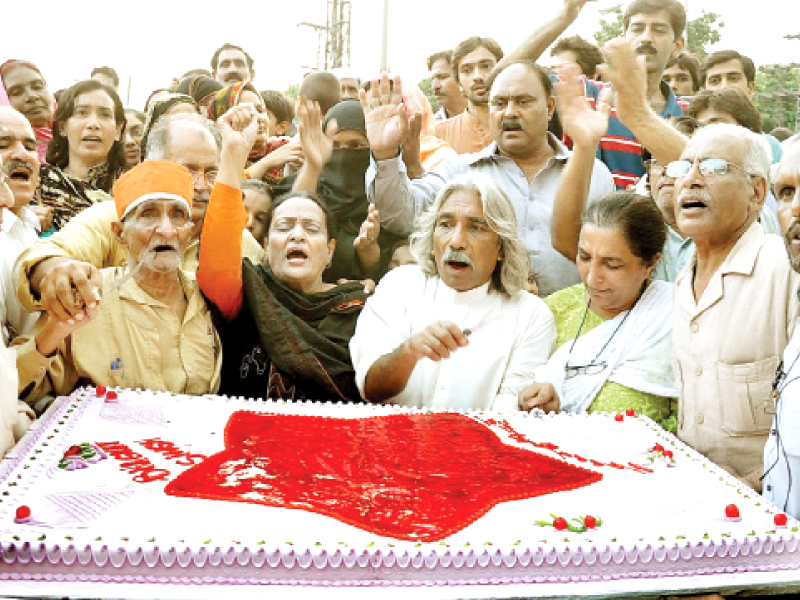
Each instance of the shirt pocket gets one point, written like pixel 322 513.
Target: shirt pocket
pixel 746 396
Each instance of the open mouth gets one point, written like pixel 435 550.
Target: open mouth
pixel 692 203
pixel 163 248
pixel 21 175
pixel 296 255
pixel 91 138
pixel 457 265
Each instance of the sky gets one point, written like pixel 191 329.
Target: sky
pixel 150 41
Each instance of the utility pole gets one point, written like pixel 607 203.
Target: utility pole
pixel 385 38
pixel 337 36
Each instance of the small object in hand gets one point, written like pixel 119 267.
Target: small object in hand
pixel 467 332
pixel 22 515
pixel 781 519
pixel 111 396
pixel 732 513
pixel 100 391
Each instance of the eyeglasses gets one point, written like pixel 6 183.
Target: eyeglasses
pixel 709 167
pixel 208 177
pixel 593 368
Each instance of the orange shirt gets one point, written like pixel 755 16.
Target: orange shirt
pixel 464 133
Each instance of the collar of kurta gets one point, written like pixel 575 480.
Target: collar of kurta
pixel 492 152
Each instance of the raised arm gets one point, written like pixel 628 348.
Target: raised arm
pixel 540 40
pixel 387 182
pixel 317 145
pixel 627 73
pixel 220 270
pixel 585 126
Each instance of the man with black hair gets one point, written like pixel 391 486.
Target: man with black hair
pixel 444 86
pixel 106 76
pixel 231 64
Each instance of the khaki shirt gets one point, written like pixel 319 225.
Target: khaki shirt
pixel 727 349
pixel 143 338
pixel 88 238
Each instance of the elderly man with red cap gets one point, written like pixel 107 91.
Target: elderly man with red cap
pixel 152 328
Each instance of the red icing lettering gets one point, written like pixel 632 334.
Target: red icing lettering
pixel 518 437
pixel 171 452
pixel 134 463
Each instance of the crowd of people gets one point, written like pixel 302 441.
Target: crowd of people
pixel 615 231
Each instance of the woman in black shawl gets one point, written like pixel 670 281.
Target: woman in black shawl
pixel 285 332
pixel 342 186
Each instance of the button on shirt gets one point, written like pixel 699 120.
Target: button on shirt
pixel 16 235
pixel 511 336
pixel 727 347
pixel 782 450
pixel 401 200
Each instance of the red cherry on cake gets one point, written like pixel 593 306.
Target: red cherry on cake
pixel 560 523
pixel 590 522
pixel 100 390
pixel 72 451
pixel 23 513
pixel 732 511
pixel 111 395
pixel 781 519
pixel 658 448
pixel 619 417
pixel 667 453
pixel 630 412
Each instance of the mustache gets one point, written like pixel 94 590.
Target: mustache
pixel 11 165
pixel 457 256
pixel 704 195
pixel 646 48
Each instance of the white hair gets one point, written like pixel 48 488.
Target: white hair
pixel 510 274
pixel 757 153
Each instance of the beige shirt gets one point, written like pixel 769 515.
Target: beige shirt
pixel 727 349
pixel 88 238
pixel 143 338
pixel 465 133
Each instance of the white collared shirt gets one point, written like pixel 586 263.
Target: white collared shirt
pixel 16 235
pixel 511 336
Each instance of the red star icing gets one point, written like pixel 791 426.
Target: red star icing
pixel 410 477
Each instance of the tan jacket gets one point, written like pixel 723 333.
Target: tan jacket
pixel 143 338
pixel 727 349
pixel 88 238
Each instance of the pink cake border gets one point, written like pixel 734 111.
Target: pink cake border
pixel 240 566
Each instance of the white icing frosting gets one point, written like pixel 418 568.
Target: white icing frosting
pixel 670 521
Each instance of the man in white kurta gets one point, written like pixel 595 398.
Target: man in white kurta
pixel 456 331
pixel 509 338
pixel 782 450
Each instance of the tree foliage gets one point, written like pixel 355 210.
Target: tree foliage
pixel 777 95
pixel 701 32
pixel 426 85
pixel 610 25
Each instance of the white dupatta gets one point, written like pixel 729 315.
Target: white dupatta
pixel 638 356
